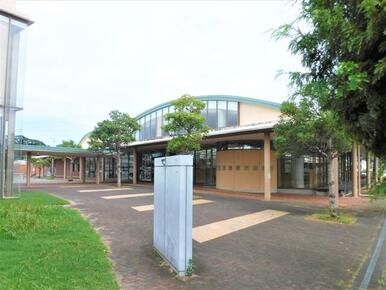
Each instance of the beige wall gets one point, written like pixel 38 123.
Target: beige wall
pixel 243 170
pixel 252 114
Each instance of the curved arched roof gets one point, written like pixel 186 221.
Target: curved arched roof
pixel 245 100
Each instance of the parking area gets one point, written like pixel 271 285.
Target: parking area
pixel 239 243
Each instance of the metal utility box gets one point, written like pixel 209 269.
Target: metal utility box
pixel 173 194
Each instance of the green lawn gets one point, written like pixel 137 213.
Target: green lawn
pixel 46 246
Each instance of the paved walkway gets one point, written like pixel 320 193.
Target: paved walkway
pixel 284 252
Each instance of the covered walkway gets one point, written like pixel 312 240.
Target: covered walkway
pixel 68 155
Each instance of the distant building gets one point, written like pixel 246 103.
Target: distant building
pixel 234 154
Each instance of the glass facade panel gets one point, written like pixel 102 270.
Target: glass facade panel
pixel 109 169
pixel 164 112
pixel 221 114
pixel 205 167
pixel 217 114
pixel 159 124
pixel 233 113
pixel 11 67
pixel 153 125
pixel 147 127
pixel 146 165
pixel 90 167
pixel 304 172
pixel 141 130
pixel 212 114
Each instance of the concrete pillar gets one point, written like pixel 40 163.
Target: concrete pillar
pixel 82 169
pixel 267 166
pixel 355 192
pixel 28 171
pixel 134 166
pixel 359 170
pixel 98 169
pixel 64 168
pixel 299 172
pixel 103 170
pixel 368 169
pixel 335 176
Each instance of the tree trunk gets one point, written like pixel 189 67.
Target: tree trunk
pixel 119 169
pixel 40 171
pixel 331 189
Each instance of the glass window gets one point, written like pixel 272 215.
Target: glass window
pixel 159 124
pixel 164 112
pixel 142 129
pixel 153 125
pixel 147 127
pixel 221 114
pixel 233 114
pixel 205 111
pixel 212 116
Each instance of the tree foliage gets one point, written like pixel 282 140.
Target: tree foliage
pixel 305 129
pixel 186 125
pixel 69 144
pixel 109 136
pixel 342 45
pixel 40 163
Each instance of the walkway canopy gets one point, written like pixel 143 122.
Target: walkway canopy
pixel 64 152
pixel 55 151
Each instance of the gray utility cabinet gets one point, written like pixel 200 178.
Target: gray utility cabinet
pixel 173 194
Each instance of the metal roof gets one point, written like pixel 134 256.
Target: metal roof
pixel 61 151
pixel 245 100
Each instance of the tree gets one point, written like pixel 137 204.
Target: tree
pixel 342 46
pixel 69 144
pixel 305 129
pixel 109 135
pixel 186 125
pixel 40 163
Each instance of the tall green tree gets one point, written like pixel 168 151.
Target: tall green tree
pixel 40 163
pixel 69 144
pixel 111 134
pixel 305 129
pixel 342 45
pixel 186 125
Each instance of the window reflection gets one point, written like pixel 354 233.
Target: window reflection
pixel 217 114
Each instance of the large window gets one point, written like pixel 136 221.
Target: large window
pixel 217 114
pixel 211 120
pixel 221 114
pixel 304 172
pixel 233 113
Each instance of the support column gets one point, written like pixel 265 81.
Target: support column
pixel 98 169
pixel 299 172
pixel 368 169
pixel 355 170
pixel 335 176
pixel 82 169
pixel 28 171
pixel 64 168
pixel 376 165
pixel 359 171
pixel 267 166
pixel 134 166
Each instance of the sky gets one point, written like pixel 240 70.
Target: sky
pixel 86 58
